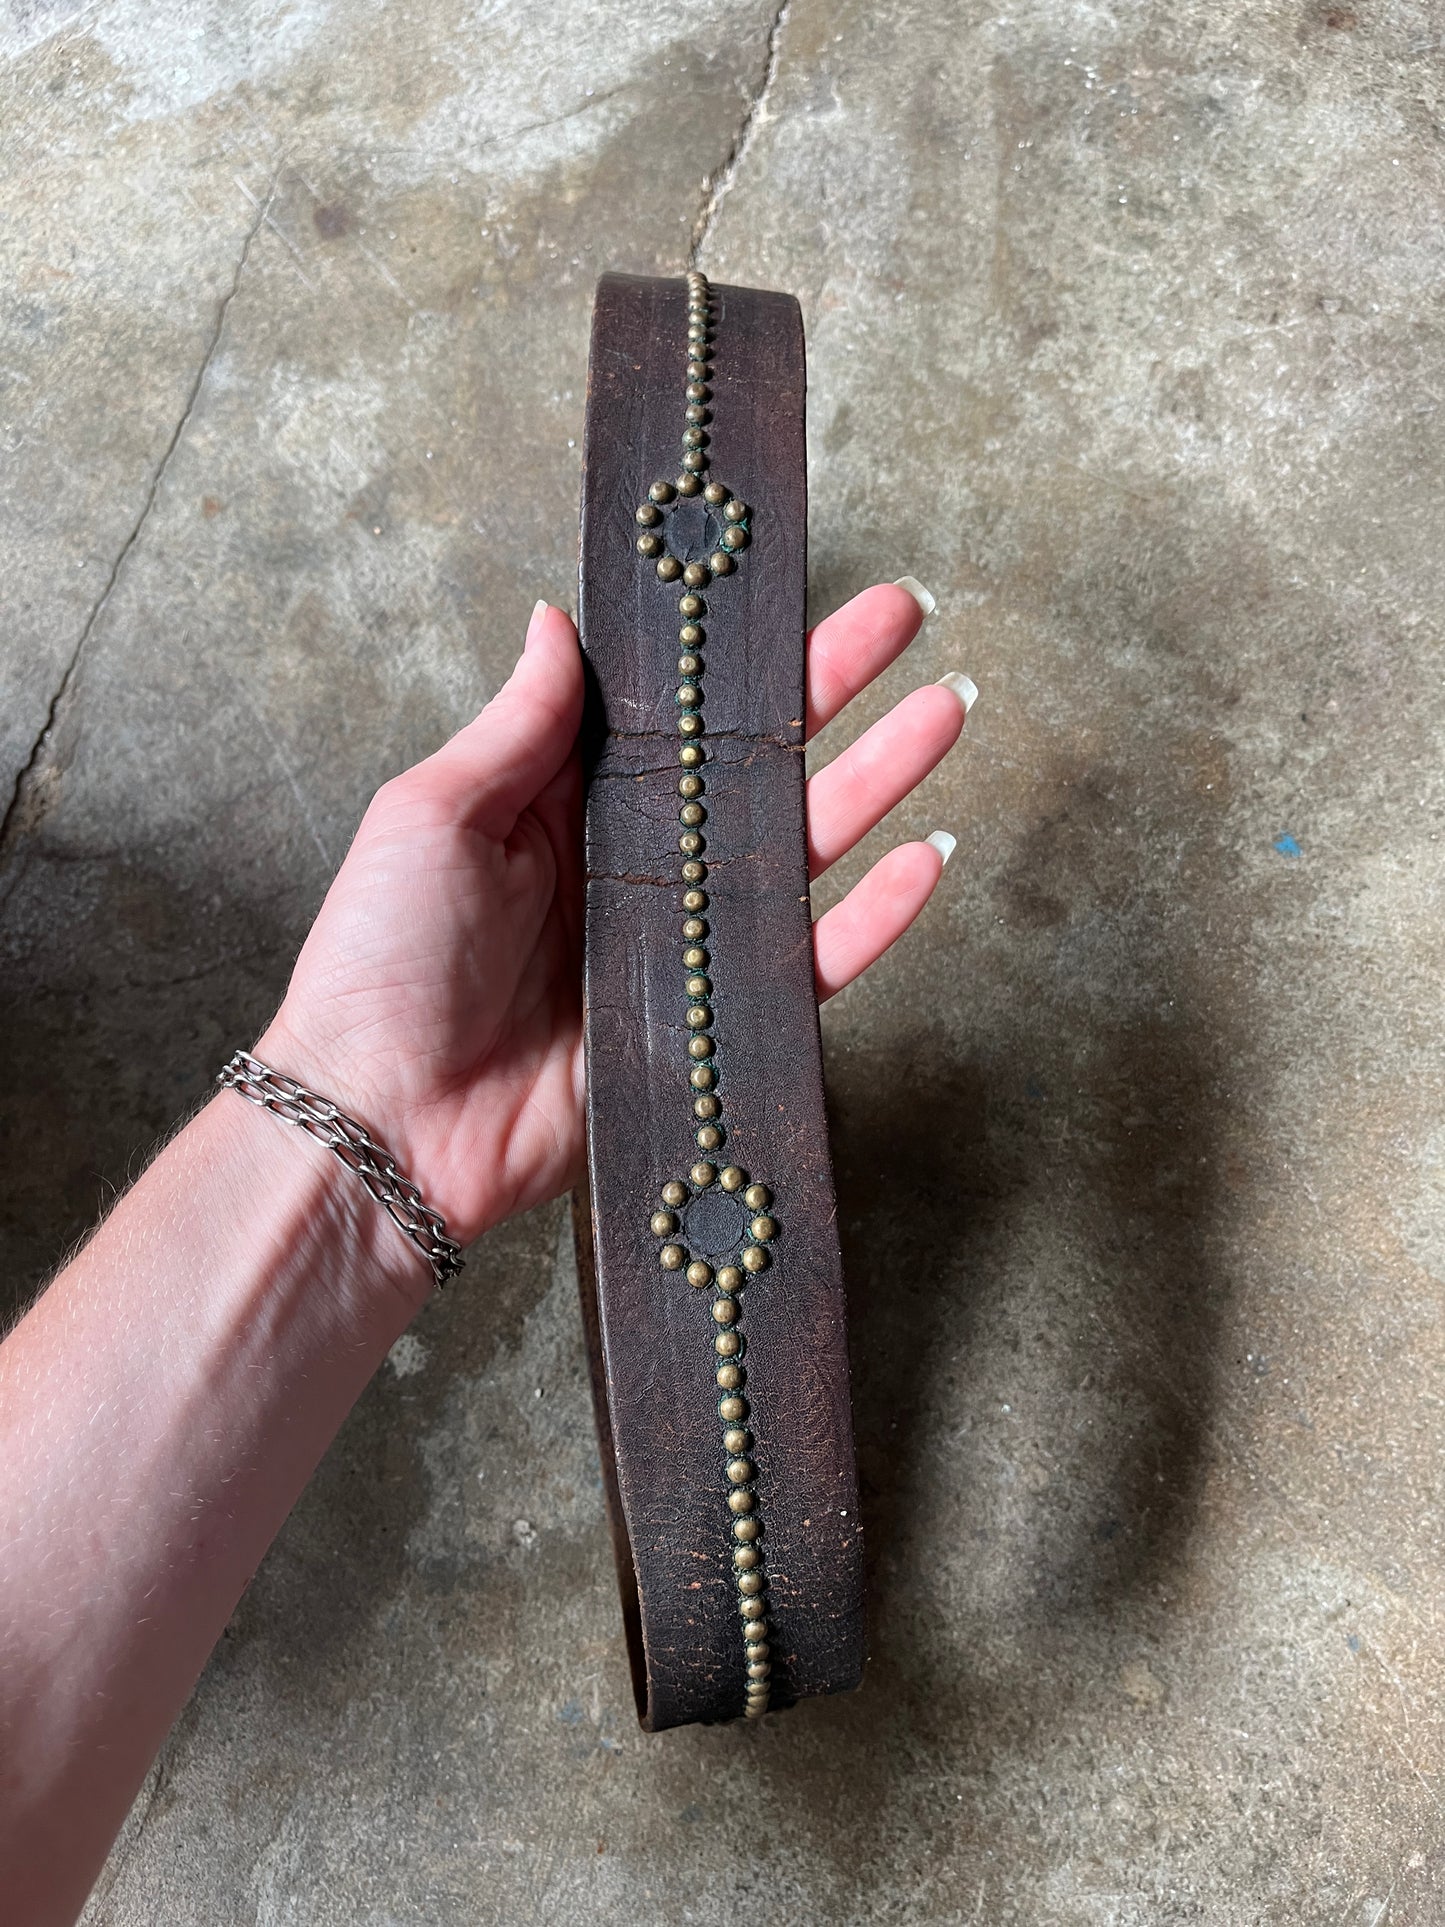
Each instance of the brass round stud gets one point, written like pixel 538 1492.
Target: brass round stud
pixel 749 1608
pixel 756 1631
pixel 705 1107
pixel 751 1584
pixel 730 1410
pixel 694 960
pixel 663 1223
pixel 754 1258
pixel 703 1174
pixel 735 511
pixel 694 460
pixel 689 786
pixel 757 1197
pixel 689 665
pixel 674 1192
pixel 758 1669
pixel 703 1047
pixel 702 1078
pixel 747 1529
pixel 728 1377
pixel 745 1557
pixel 763 1228
pixel 695 412
pixel 741 1501
pixel 727 1344
pixel 699 1273
pixel 687 484
pixel 735 1439
pixel 694 899
pixel 697 373
pixel 668 568
pixel 662 491
pixel 694 929
pixel 691 755
pixel 692 813
pixel 732 1179
pixel 649 545
pixel 695 574
pixel 733 539
pixel 714 493
pixel 694 437
pixel 690 635
pixel 691 606
pixel 690 843
pixel 698 1018
pixel 671 1257
pixel 724 1310
pixel 689 723
pixel 720 562
pixel 689 695
pixel 709 1137
pixel 698 987
pixel 741 1471
pixel 649 515
pixel 758 1648
pixel 731 1279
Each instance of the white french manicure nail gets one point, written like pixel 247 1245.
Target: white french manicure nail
pixel 537 609
pixel 942 842
pixel 964 687
pixel 916 589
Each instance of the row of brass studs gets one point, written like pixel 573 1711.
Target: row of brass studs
pixel 749 1576
pixel 740 1470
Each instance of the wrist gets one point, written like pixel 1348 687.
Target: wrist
pixel 401 1123
pixel 319 1230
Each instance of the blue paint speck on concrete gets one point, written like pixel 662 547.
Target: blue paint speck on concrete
pixel 571 1713
pixel 1286 845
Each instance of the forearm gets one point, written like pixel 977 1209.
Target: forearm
pixel 161 1407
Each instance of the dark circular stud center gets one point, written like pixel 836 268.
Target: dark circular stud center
pixel 691 529
pixel 714 1223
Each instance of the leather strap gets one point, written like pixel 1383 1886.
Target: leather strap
pixel 712 1289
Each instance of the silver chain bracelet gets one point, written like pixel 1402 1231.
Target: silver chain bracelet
pixel 354 1146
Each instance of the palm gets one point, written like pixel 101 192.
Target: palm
pixel 439 993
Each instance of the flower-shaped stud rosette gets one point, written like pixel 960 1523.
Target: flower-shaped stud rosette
pixel 726 1221
pixel 677 542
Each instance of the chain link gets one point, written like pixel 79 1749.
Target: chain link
pixel 353 1145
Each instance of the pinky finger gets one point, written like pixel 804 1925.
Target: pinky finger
pixel 875 913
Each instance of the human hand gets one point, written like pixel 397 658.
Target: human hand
pixel 439 995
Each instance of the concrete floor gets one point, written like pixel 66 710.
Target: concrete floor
pixel 1126 338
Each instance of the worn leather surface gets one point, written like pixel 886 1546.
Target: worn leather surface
pixel 651 1334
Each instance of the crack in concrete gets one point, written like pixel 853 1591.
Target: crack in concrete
pixel 719 183
pixel 27 774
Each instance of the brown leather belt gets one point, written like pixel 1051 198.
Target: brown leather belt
pixel 712 1290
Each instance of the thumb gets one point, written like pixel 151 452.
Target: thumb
pixel 491 770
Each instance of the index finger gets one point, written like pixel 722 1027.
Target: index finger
pixel 858 642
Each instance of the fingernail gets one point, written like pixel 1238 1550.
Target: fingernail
pixel 916 589
pixel 539 608
pixel 942 842
pixel 964 687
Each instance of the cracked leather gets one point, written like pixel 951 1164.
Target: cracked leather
pixel 650 1335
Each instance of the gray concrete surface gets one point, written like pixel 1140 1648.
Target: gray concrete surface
pixel 1126 338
